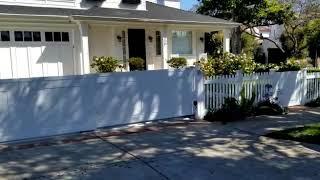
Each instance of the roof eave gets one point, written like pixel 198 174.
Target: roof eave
pixel 121 19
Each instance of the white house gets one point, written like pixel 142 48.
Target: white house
pixel 273 32
pixel 59 37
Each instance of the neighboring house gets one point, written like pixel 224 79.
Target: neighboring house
pixel 41 38
pixel 272 53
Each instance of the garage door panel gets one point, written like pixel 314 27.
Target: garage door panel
pixel 51 57
pixel 25 59
pixel 6 67
pixel 21 59
pixel 36 61
pixel 67 61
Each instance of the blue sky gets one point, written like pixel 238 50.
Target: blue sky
pixel 187 4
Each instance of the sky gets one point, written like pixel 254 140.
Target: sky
pixel 187 4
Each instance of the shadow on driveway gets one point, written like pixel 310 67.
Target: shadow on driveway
pixel 187 151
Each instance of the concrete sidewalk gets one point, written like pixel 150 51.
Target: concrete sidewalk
pixel 196 151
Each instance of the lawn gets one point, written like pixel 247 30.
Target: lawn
pixel 309 133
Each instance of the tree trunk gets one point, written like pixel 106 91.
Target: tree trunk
pixel 236 41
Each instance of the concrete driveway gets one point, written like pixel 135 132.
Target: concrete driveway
pixel 193 151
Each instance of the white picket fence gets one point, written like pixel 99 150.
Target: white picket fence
pixel 289 88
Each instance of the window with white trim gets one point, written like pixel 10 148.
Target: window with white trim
pixel 181 42
pixel 27 36
pixel 158 43
pixel 5 35
pixel 57 36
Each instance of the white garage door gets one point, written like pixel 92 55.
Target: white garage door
pixel 27 54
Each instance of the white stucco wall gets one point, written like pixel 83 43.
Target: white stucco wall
pixel 103 42
pixel 49 106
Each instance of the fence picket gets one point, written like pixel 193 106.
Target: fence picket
pixel 219 87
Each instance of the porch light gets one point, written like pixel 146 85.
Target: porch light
pixel 201 39
pixel 150 38
pixel 119 38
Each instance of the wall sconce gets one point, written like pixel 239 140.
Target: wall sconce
pixel 119 38
pixel 201 39
pixel 150 38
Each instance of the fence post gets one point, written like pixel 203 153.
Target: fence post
pixel 239 84
pixel 199 102
pixel 304 86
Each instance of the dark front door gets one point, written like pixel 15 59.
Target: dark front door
pixel 137 45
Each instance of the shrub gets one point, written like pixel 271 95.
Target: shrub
pixel 313 70
pixel 313 103
pixel 226 64
pixel 264 67
pixel 267 107
pixel 290 65
pixel 136 64
pixel 104 64
pixel 232 109
pixel 247 105
pixel 177 62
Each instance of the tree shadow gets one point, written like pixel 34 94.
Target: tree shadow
pixel 192 152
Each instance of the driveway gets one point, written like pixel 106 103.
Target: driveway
pixel 193 151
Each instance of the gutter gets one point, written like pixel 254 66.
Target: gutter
pixel 76 18
pixel 122 19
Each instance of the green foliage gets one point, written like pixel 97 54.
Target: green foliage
pixel 290 65
pixel 312 38
pixel 264 67
pixel 247 105
pixel 177 62
pixel 249 44
pixel 232 109
pixel 136 64
pixel 293 44
pixel 309 134
pixel 104 64
pixel 215 44
pixel 313 103
pixel 268 107
pixel 313 70
pixel 247 12
pixel 226 64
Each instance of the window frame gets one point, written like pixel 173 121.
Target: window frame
pixel 1 38
pixel 158 43
pixel 191 42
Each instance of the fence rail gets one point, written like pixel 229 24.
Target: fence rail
pixel 289 88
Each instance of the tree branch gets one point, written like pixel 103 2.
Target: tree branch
pixel 268 39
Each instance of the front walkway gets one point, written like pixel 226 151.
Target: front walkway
pixel 195 151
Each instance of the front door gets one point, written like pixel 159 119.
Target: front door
pixel 137 45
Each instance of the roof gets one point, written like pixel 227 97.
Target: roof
pixel 154 13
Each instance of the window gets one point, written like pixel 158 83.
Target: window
pixel 57 36
pixel 36 36
pixel 48 36
pixel 182 42
pixel 27 36
pixel 158 43
pixel 18 36
pixel 65 36
pixel 5 36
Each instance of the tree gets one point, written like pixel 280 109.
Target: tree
pixel 312 39
pixel 251 13
pixel 293 37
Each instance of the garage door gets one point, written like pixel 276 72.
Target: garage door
pixel 26 54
